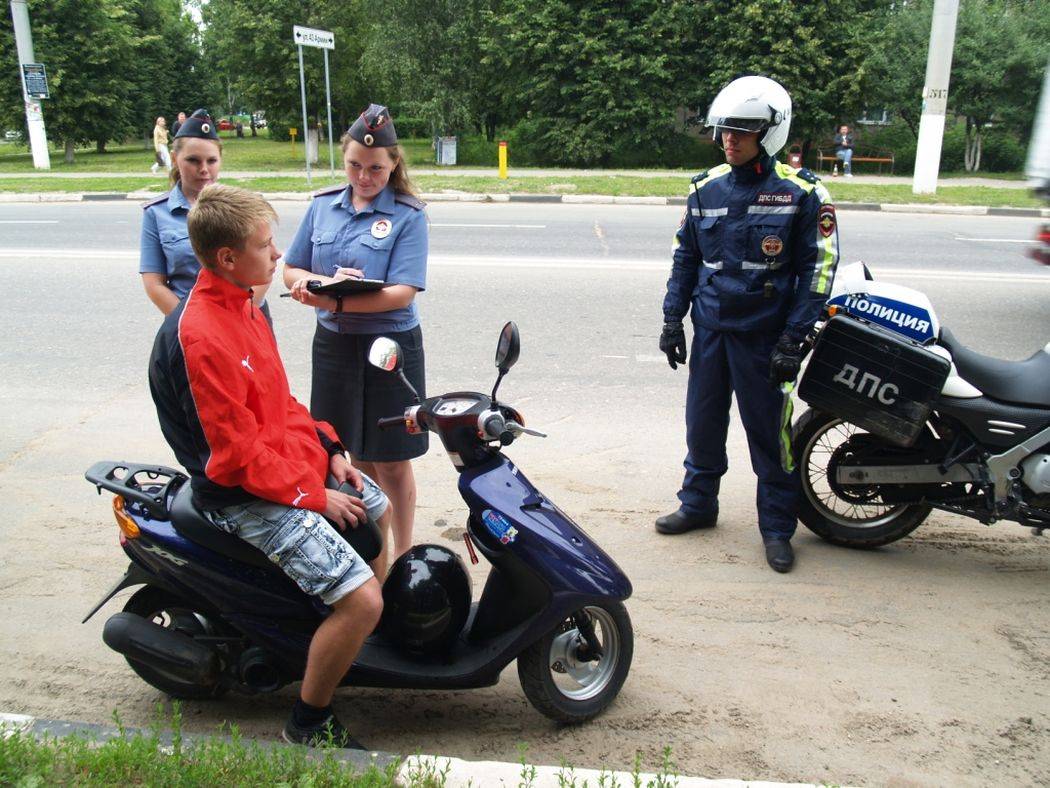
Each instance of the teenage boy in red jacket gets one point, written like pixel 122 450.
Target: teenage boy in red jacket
pixel 257 459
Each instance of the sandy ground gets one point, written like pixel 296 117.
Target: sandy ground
pixel 922 663
pixel 927 662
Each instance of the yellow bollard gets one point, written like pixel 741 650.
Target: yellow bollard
pixel 503 160
pixel 292 131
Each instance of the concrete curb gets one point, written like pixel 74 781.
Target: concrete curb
pixel 568 199
pixel 457 772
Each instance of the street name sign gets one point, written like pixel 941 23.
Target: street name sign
pixel 309 37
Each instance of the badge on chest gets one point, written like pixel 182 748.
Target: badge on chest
pixel 381 228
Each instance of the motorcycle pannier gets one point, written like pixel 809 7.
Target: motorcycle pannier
pixel 873 378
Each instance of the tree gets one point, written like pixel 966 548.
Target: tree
pixel 112 65
pixel 999 54
pixel 433 62
pixel 249 45
pixel 169 75
pixel 587 77
pixel 817 51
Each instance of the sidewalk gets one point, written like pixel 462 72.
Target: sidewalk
pixel 565 199
pixel 518 172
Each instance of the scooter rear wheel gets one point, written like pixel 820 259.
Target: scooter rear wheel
pixel 169 611
pixel 566 682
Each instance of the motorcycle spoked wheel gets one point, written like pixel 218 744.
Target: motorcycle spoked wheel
pixel 566 683
pixel 851 516
pixel 169 611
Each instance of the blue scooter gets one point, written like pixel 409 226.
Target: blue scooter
pixel 214 614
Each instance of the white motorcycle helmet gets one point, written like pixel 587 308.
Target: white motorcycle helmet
pixel 752 104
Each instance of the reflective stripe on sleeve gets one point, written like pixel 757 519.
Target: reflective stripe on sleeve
pixel 714 211
pixel 773 209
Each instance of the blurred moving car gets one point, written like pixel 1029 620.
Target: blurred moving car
pixel 1038 166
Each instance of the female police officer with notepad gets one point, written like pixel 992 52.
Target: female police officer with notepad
pixel 375 228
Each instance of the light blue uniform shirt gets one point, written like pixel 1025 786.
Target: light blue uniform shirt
pixel 164 246
pixel 387 240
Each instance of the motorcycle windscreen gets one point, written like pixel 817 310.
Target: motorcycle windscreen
pixel 874 379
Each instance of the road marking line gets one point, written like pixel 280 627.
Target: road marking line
pixel 504 226
pixel 28 221
pixel 997 240
pixel 610 264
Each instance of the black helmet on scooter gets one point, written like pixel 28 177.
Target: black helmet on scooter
pixel 426 599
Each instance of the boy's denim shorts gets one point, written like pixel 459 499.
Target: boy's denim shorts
pixel 303 543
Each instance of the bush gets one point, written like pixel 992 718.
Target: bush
pixel 413 127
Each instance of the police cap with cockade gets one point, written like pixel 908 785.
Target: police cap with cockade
pixel 199 124
pixel 374 128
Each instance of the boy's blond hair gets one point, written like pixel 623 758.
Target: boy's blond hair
pixel 225 216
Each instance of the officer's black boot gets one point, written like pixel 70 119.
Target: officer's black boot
pixel 679 522
pixel 780 554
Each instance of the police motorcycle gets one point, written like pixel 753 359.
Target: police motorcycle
pixel 904 419
pixel 214 614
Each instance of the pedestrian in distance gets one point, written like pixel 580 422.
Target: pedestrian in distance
pixel 754 259
pixel 167 261
pixel 374 228
pixel 160 147
pixel 178 123
pixel 257 460
pixel 844 149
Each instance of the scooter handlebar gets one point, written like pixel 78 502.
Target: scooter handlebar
pixel 390 421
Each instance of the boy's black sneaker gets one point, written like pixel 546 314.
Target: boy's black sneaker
pixel 329 733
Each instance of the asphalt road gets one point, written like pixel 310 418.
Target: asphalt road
pixel 584 283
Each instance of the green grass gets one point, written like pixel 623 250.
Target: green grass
pixel 143 759
pixel 260 153
pixel 614 185
pixel 161 756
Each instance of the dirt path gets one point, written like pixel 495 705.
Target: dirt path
pixel 927 662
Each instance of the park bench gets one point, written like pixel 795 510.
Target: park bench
pixel 826 155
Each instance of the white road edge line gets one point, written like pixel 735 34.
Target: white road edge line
pixel 610 264
pixel 997 240
pixel 28 221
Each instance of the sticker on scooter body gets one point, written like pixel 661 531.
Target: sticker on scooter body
pixel 499 526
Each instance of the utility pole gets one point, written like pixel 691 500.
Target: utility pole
pixel 34 112
pixel 935 97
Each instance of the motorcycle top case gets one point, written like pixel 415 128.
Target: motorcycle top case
pixel 873 378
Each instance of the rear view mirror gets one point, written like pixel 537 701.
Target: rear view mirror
pixel 507 348
pixel 386 354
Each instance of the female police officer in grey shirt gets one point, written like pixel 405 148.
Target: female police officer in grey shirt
pixel 374 227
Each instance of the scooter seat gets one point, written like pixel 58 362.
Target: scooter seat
pixel 1020 382
pixel 191 523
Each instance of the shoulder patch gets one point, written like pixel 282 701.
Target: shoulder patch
pixel 807 175
pixel 156 201
pixel 329 190
pixel 414 203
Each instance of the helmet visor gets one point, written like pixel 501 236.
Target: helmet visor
pixel 739 124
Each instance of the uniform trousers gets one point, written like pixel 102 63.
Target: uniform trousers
pixel 722 364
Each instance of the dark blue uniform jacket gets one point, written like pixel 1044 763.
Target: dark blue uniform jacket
pixel 756 250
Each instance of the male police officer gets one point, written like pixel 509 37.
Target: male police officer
pixel 754 257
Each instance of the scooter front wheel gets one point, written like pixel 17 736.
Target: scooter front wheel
pixel 574 672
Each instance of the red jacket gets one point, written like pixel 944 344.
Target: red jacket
pixel 225 408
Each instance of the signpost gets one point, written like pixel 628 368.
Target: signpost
pixel 320 39
pixel 34 84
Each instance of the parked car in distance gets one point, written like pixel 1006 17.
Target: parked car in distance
pixel 11 135
pixel 225 124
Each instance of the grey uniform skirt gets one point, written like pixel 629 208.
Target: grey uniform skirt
pixel 351 394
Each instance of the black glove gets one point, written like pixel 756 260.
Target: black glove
pixel 672 343
pixel 785 362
